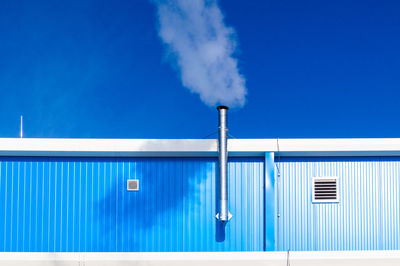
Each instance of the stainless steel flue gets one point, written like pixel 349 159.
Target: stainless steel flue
pixel 223 214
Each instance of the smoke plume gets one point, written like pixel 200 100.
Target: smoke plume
pixel 202 47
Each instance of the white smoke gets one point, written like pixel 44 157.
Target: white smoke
pixel 203 48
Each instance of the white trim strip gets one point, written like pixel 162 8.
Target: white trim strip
pixel 197 147
pixel 298 258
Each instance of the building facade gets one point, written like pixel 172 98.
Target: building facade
pixel 66 195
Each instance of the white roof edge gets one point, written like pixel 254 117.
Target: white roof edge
pixel 198 147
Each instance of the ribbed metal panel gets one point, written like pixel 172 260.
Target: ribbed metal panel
pixel 390 202
pixel 365 218
pixel 77 205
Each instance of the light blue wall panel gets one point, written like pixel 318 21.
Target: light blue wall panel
pixel 81 204
pixel 366 217
pixel 390 202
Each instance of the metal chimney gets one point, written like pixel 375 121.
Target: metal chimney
pixel 223 214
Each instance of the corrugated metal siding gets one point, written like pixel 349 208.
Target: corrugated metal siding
pixel 390 211
pixel 366 217
pixel 76 205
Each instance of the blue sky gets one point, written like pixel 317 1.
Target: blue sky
pixel 98 69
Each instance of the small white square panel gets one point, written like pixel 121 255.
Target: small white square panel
pixel 324 189
pixel 132 185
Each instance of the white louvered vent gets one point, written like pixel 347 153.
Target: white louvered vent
pixel 325 189
pixel 133 185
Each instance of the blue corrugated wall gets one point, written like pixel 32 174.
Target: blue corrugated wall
pixel 81 205
pixel 367 216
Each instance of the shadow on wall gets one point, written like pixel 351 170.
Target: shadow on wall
pixel 157 217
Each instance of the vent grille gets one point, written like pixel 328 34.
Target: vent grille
pixel 133 185
pixel 325 189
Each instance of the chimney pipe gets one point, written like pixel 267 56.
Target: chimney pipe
pixel 223 214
